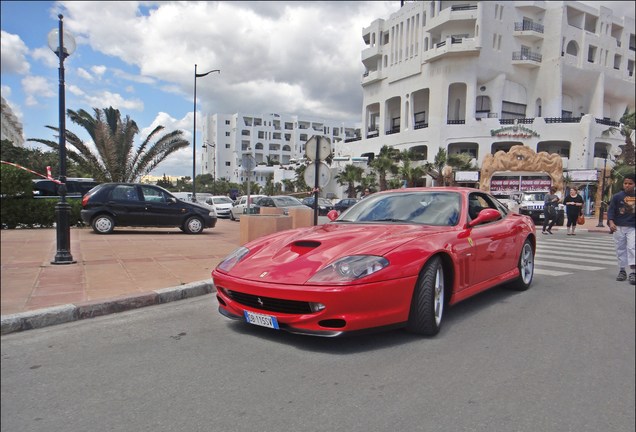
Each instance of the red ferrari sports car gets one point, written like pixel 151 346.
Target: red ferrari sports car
pixel 394 259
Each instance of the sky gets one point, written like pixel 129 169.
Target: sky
pixel 295 58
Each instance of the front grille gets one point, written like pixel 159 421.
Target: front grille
pixel 270 304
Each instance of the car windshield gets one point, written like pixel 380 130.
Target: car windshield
pixel 287 201
pixel 222 200
pixel 534 196
pixel 428 208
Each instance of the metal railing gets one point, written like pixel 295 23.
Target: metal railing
pixel 528 26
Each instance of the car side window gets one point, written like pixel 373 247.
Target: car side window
pixel 125 193
pixel 153 195
pixel 477 202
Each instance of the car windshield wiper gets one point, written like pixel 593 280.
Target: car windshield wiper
pixel 390 220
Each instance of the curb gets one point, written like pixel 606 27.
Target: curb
pixel 91 309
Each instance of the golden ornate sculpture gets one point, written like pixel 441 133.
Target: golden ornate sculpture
pixel 522 158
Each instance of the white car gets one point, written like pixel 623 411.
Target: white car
pixel 241 204
pixel 222 205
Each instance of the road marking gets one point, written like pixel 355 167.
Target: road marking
pixel 566 265
pixel 550 272
pixel 583 258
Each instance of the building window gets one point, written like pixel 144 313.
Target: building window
pixel 512 110
pixel 227 122
pixel 227 134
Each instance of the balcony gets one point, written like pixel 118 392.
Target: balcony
pixel 371 53
pixel 528 31
pixel 451 47
pixel 526 59
pixel 607 122
pixel 369 77
pixel 456 15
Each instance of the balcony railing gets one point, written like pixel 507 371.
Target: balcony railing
pixel 607 122
pixel 455 122
pixel 528 26
pixel 420 125
pixel 562 119
pixel 463 7
pixel 517 120
pixel 518 55
pixel 392 131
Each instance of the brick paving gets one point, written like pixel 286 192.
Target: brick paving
pixel 131 261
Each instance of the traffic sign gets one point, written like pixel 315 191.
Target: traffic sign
pixel 312 145
pixel 324 174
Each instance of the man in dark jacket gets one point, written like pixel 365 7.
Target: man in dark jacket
pixel 621 220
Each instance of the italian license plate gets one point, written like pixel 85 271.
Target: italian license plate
pixel 261 320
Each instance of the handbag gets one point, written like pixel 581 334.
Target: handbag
pixel 580 220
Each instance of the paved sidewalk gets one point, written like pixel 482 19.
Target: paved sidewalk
pixel 130 268
pixel 127 269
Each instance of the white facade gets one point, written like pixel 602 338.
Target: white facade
pixel 227 138
pixel 478 77
pixel 11 127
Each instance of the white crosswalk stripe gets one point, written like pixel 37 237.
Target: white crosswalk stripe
pixel 557 256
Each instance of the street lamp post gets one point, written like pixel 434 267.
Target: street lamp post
pixel 601 206
pixel 194 132
pixel 63 45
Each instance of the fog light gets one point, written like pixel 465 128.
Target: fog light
pixel 316 307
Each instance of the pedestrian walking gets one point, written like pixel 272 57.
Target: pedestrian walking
pixel 621 222
pixel 550 210
pixel 573 208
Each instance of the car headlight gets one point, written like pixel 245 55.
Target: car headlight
pixel 350 268
pixel 232 259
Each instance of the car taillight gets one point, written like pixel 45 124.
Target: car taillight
pixel 85 200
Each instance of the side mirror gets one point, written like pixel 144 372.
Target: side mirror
pixel 333 215
pixel 486 215
pixel 172 200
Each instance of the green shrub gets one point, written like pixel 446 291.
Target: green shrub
pixel 26 212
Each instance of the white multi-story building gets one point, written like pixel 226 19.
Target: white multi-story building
pixel 482 76
pixel 11 127
pixel 228 138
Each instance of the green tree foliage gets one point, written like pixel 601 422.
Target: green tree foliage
pixel 15 182
pixel 36 159
pixel 348 177
pixel 165 183
pixel 117 159
pixel 385 163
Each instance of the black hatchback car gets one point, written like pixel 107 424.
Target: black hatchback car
pixel 141 205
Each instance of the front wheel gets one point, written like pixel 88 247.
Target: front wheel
pixel 427 305
pixel 526 268
pixel 193 225
pixel 103 224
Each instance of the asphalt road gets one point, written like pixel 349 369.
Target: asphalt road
pixel 558 357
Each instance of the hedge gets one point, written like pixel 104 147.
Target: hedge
pixel 19 212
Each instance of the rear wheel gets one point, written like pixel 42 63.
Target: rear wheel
pixel 526 268
pixel 103 224
pixel 193 225
pixel 427 305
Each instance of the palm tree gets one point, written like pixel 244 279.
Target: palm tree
pixel 116 159
pixel 411 174
pixel 434 169
pixel 385 163
pixel 348 177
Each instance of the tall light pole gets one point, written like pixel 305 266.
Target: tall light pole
pixel 194 132
pixel 601 207
pixel 63 45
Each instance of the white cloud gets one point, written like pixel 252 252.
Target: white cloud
pixel 46 57
pixel 36 87
pixel 13 52
pixel 105 99
pixel 98 70
pixel 306 53
pixel 83 73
